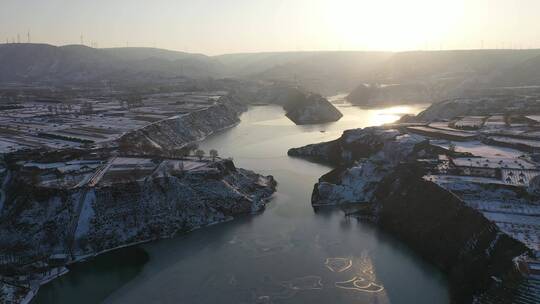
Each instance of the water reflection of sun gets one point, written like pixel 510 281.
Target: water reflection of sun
pixel 358 276
pixel 389 115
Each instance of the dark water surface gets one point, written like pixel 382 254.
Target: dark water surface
pixel 287 254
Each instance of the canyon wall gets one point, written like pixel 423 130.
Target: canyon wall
pixel 378 169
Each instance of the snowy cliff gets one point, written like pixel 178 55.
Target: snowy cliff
pixel 181 130
pixel 357 182
pixel 381 171
pixel 43 227
pixel 353 145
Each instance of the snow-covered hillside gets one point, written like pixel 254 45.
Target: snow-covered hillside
pixel 124 201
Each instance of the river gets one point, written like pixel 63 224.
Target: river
pixel 287 254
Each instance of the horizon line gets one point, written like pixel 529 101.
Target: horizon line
pixel 271 52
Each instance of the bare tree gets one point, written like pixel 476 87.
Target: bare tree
pixel 199 153
pixel 181 153
pixel 214 153
pixel 452 147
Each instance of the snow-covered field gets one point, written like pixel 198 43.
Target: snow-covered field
pixel 463 135
pixel 479 149
pixel 519 141
pixel 35 124
pixel 513 214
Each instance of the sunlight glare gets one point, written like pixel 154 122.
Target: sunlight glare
pixel 389 115
pixel 405 25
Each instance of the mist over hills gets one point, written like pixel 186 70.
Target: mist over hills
pixel 524 73
pixel 333 72
pixel 323 72
pixel 77 63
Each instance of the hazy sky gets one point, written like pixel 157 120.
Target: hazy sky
pixel 226 26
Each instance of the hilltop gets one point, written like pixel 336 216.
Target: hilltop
pixel 439 74
pixel 77 63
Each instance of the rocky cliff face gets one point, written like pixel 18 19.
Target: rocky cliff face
pixel 43 229
pixel 179 131
pixel 351 146
pixel 357 182
pixel 473 251
pixel 378 169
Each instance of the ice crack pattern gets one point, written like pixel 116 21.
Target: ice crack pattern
pixel 361 279
pixel 338 264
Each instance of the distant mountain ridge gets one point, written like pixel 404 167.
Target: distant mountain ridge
pixel 330 72
pixel 324 72
pixel 76 63
pixel 527 72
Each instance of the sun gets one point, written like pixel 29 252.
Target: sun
pixel 390 24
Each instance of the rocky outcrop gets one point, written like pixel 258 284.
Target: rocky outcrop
pixel 363 158
pixel 378 170
pixel 353 145
pixel 357 182
pixel 43 229
pixel 312 109
pixel 302 107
